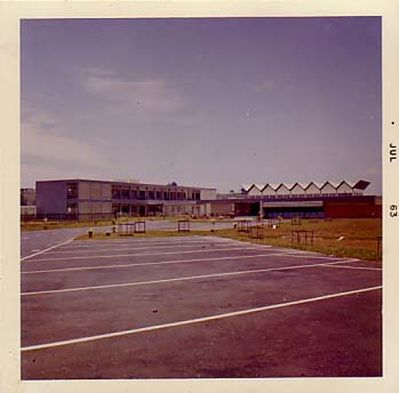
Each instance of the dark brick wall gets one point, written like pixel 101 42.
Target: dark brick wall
pixel 346 209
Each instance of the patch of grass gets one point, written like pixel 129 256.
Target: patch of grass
pixel 40 225
pixel 358 237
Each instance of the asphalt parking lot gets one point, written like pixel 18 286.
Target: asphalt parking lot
pixel 197 307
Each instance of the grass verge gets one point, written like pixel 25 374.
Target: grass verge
pixel 40 225
pixel 349 238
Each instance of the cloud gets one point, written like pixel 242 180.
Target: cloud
pixel 42 138
pixel 146 96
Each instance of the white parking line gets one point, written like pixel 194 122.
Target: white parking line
pixel 46 249
pixel 116 243
pixel 142 241
pixel 139 254
pixel 175 261
pixel 139 283
pixel 205 246
pixel 357 267
pixel 317 256
pixel 195 320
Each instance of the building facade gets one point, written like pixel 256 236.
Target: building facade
pixel 78 198
pixel 313 200
pixel 92 199
pixel 28 197
pixel 309 189
pixel 28 203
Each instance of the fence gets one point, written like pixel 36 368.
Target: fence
pixel 243 225
pixel 302 237
pixel 257 231
pixel 296 220
pixel 273 223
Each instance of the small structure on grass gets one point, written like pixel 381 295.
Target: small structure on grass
pixel 302 237
pixel 126 228
pixel 139 227
pixel 243 226
pixel 183 225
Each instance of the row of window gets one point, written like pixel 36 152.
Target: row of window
pixel 117 193
pixel 155 195
pixel 304 195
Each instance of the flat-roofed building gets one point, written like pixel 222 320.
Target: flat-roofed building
pixel 82 198
pixel 28 203
pixel 28 197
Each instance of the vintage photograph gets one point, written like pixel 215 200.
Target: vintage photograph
pixel 201 198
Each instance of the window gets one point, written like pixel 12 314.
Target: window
pixel 72 190
pixel 116 193
pixel 72 208
pixel 125 194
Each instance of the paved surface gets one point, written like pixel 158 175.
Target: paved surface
pixel 37 241
pixel 196 307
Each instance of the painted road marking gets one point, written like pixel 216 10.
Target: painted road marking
pixel 175 261
pixel 357 267
pixel 137 255
pixel 196 320
pixel 116 243
pixel 295 255
pixel 46 249
pixel 207 245
pixel 111 247
pixel 176 239
pixel 188 278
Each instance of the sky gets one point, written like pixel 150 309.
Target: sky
pixel 205 102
